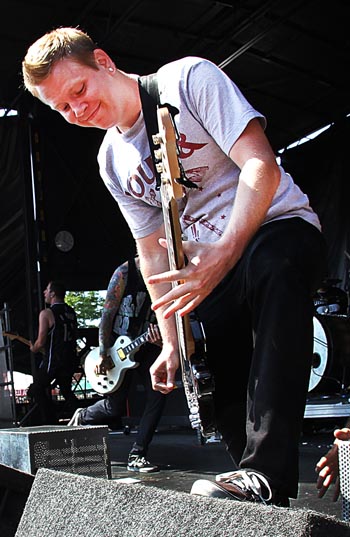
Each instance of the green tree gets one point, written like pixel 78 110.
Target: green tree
pixel 88 306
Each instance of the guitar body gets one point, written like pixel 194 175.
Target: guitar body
pixel 122 358
pixel 197 379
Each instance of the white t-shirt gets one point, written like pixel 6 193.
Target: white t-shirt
pixel 212 115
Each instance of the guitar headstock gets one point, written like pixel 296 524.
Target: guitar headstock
pixel 167 154
pixel 11 336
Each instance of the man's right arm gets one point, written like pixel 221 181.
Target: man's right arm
pixel 45 322
pixel 114 295
pixel 154 259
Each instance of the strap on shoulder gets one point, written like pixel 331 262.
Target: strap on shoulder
pixel 148 87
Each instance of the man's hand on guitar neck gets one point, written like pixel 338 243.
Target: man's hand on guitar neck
pixel 153 335
pixel 207 264
pixel 106 361
pixel 35 347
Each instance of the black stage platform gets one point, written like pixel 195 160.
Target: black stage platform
pixel 183 459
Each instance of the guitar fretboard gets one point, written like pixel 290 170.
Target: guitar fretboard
pixel 136 343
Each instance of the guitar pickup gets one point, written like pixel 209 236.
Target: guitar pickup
pixel 121 354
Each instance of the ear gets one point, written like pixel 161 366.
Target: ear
pixel 102 59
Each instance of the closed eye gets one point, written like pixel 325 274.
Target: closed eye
pixel 81 90
pixel 65 107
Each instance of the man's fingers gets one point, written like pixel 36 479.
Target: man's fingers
pixel 321 463
pixel 321 492
pixel 162 387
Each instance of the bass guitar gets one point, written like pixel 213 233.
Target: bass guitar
pixel 197 379
pixel 121 358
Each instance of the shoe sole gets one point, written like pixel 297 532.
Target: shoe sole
pixel 142 470
pixel 203 487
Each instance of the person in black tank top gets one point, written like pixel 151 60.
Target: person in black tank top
pixel 57 341
pixel 61 344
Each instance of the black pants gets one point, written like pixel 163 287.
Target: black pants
pixel 262 316
pixel 113 406
pixel 41 388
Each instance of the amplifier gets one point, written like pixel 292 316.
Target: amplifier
pixel 76 450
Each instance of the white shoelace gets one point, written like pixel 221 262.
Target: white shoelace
pixel 247 480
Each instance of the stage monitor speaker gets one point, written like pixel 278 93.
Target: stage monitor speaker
pixel 14 491
pixel 74 505
pixel 79 450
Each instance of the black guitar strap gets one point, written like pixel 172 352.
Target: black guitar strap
pixel 148 87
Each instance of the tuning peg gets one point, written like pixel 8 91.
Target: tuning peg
pixel 158 154
pixel 157 139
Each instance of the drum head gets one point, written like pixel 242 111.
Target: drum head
pixel 320 355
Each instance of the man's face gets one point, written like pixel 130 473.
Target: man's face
pixel 81 94
pixel 47 294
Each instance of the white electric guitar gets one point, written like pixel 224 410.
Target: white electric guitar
pixel 121 357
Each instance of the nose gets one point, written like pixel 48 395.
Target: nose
pixel 79 109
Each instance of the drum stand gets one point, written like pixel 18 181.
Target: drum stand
pixel 347 282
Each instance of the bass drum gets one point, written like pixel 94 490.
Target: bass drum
pixel 331 354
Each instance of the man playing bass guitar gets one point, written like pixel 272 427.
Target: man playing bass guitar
pixel 253 244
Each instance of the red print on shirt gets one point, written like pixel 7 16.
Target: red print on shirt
pixel 187 148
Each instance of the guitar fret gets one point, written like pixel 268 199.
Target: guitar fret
pixel 136 343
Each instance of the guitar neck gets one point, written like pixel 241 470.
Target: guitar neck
pixel 134 345
pixel 197 379
pixel 171 191
pixel 19 338
pixel 176 261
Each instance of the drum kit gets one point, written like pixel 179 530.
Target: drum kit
pixel 331 348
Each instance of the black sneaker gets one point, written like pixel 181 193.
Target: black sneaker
pixel 138 463
pixel 241 485
pixel 204 487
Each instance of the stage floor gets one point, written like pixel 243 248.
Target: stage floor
pixel 182 459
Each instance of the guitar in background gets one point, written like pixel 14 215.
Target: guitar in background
pixel 121 358
pixel 23 340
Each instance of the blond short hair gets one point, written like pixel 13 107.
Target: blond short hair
pixel 52 47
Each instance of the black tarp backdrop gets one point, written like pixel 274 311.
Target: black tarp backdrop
pixel 74 198
pixel 13 223
pixel 320 167
pixel 69 195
